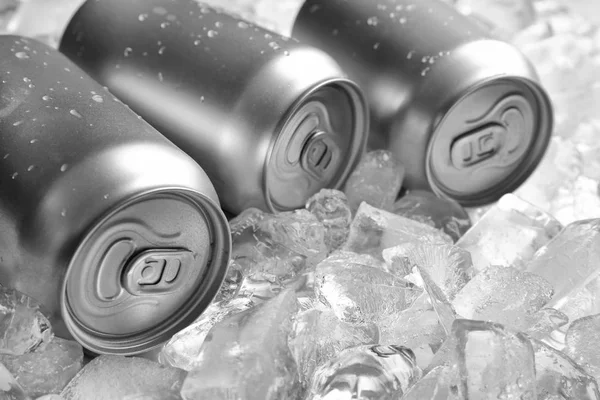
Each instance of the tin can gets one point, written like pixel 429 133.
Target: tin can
pixel 272 121
pixel 464 112
pixel 116 231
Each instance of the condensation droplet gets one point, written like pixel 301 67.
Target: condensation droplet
pixel 197 42
pixel 63 213
pixel 127 51
pixel 219 24
pixel 14 176
pixel 410 54
pixel 159 10
pixel 287 53
pixel 202 99
pixel 30 168
pixel 373 21
pixel 160 77
pixel 26 80
pixel 402 20
pixel 105 196
pixel 64 167
pixel 161 50
pixel 376 46
pixel 142 17
pixel 22 55
pixel 75 113
pixel 17 123
pixel 163 25
pixel 97 98
pixel 425 71
pixel 211 33
pixel 32 141
pixel 242 25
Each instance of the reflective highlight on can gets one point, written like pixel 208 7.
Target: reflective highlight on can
pixel 271 120
pixel 464 112
pixel 116 231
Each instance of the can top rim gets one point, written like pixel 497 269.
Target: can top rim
pixel 213 275
pixel 541 134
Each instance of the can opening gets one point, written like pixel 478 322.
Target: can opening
pixel 490 141
pixel 318 144
pixel 145 271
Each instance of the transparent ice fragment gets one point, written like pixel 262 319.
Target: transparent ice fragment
pixel 53 397
pixel 9 387
pixel 374 230
pixel 493 362
pixel 23 327
pixel 504 295
pixel 183 349
pixel 581 302
pixel 276 247
pixel 544 322
pixel 582 341
pixel 436 385
pixel 425 207
pixel 509 234
pixel 442 307
pixel 331 207
pixel 449 266
pixel 246 356
pixel 366 372
pixel 48 369
pixel 113 377
pixel 231 284
pixel 557 374
pixel 160 395
pixel 376 180
pixel 570 260
pixel 577 200
pixel 359 293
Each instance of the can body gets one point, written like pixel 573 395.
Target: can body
pixel 271 121
pixel 462 111
pixel 116 231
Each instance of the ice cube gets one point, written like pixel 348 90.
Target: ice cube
pixel 48 369
pixel 359 293
pixel 426 207
pixel 493 362
pixel 373 230
pixel 331 207
pixel 581 302
pixel 246 356
pixel 505 17
pixel 160 395
pixel 557 374
pixel 509 234
pixel 277 247
pixel 9 387
pixel 586 140
pixel 582 341
pixel 577 200
pixel 366 372
pixel 504 295
pixel 319 336
pixel 376 180
pixel 442 307
pixel 436 385
pixel 544 322
pixel 231 284
pixel 570 260
pixel 449 266
pixel 183 350
pixel 113 377
pixel 54 397
pixel 23 327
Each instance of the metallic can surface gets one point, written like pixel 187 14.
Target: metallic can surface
pixel 271 121
pixel 462 111
pixel 116 231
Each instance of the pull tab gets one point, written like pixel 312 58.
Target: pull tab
pixel 320 155
pixel 157 271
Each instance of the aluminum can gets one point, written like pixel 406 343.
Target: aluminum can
pixel 464 112
pixel 115 230
pixel 272 121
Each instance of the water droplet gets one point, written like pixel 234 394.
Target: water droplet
pixel 211 33
pixel 373 21
pixel 287 53
pixel 26 80
pixel 97 98
pixel 376 46
pixel 402 20
pixel 127 51
pixel 197 42
pixel 75 113
pixel 64 167
pixel 6 156
pixel 204 10
pixel 142 17
pixel 67 69
pixel 274 45
pixel 32 141
pixel 30 168
pixel 425 71
pixel 242 25
pixel 202 99
pixel 22 55
pixel 63 213
pixel 268 36
pixel 163 25
pixel 160 77
pixel 161 50
pixel 17 123
pixel 14 176
pixel 105 196
pixel 159 10
pixel 219 24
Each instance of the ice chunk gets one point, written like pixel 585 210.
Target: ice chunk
pixel 582 341
pixel 23 327
pixel 114 377
pixel 161 395
pixel 359 293
pixel 48 369
pixel 436 385
pixel 544 322
pixel 586 140
pixel 581 302
pixel 577 200
pixel 331 207
pixel 366 372
pixel 9 387
pixel 53 397
pixel 504 295
pixel 183 350
pixel 509 234
pixel 426 207
pixel 557 374
pixel 570 260
pixel 503 17
pixel 373 230
pixel 449 266
pixel 319 336
pixel 276 247
pixel 231 284
pixel 376 180
pixel 247 356
pixel 493 362
pixel 444 310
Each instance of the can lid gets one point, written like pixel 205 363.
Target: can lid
pixel 318 144
pixel 145 271
pixel 490 141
